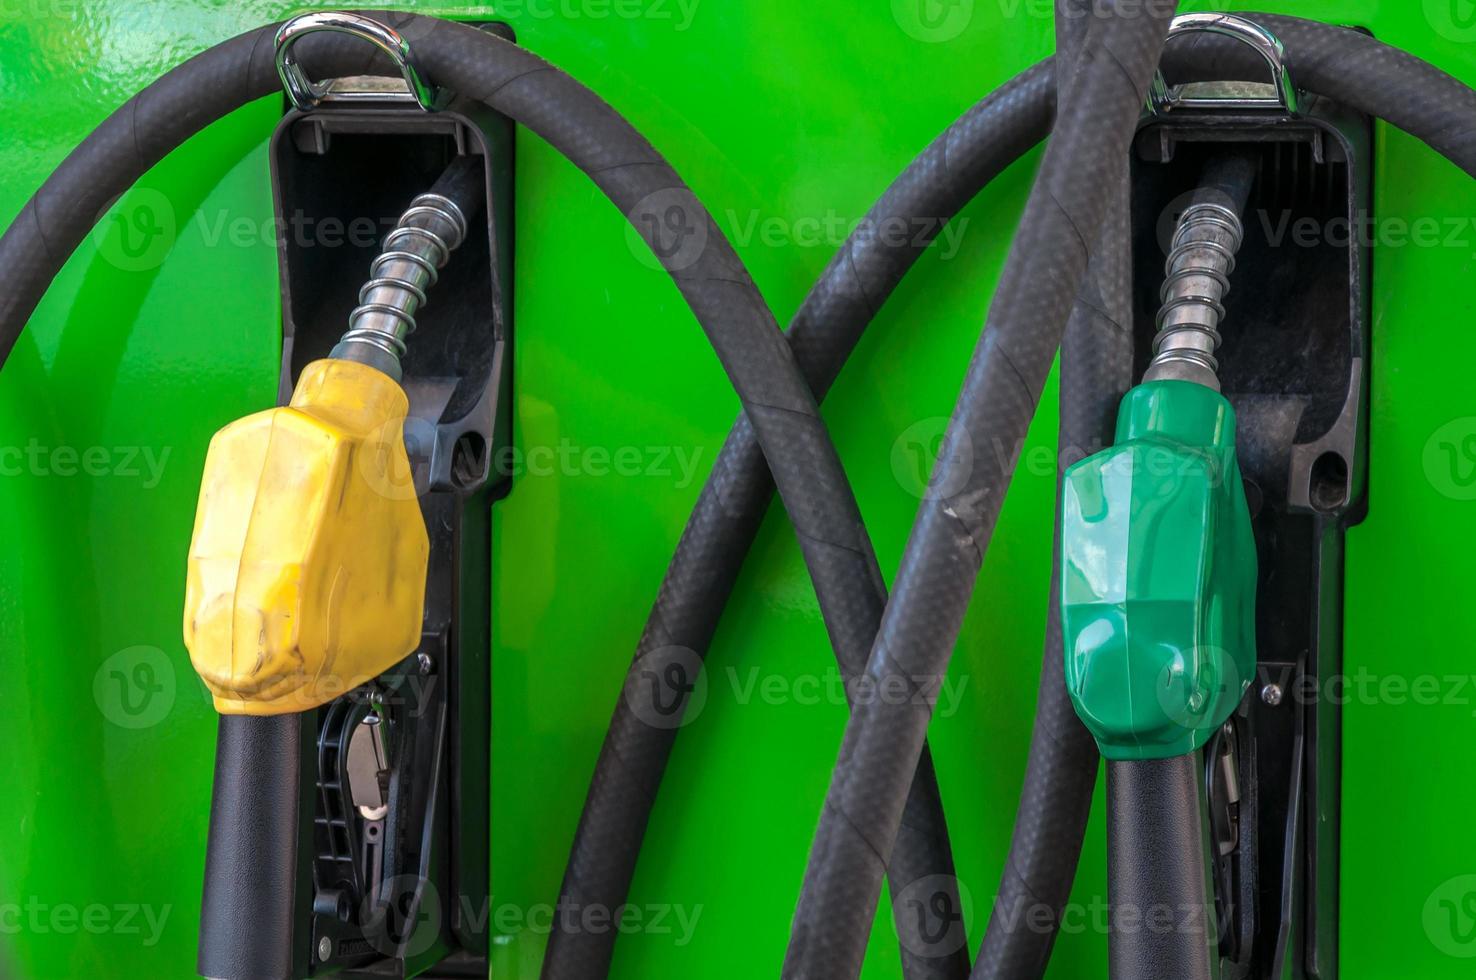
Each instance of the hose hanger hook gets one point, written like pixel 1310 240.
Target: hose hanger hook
pixel 307 95
pixel 1163 98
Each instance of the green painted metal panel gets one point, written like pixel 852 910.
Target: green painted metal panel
pixel 788 121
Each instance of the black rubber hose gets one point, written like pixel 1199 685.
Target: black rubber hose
pixel 1410 93
pixel 827 327
pixel 1428 103
pixel 776 398
pixel 1060 777
pixel 1228 180
pixel 1342 64
pixel 1162 920
pixel 1046 266
pixel 463 184
pixel 1056 800
pixel 1357 71
pixel 1096 369
pixel 1062 769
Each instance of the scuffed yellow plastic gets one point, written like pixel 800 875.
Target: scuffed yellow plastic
pixel 306 573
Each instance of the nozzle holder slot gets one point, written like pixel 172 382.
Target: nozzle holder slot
pixel 1294 363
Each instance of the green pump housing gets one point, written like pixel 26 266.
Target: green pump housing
pixel 1158 566
pixel 98 684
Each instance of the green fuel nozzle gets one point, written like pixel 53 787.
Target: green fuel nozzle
pixel 1158 560
pixel 1158 568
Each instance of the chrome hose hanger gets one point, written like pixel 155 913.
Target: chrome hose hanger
pixel 1163 98
pixel 307 95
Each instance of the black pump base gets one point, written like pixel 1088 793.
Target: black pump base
pixel 354 839
pixel 1294 363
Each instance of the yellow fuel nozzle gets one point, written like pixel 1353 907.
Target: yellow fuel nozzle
pixel 307 568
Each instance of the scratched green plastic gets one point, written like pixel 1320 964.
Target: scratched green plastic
pixel 788 120
pixel 1158 576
